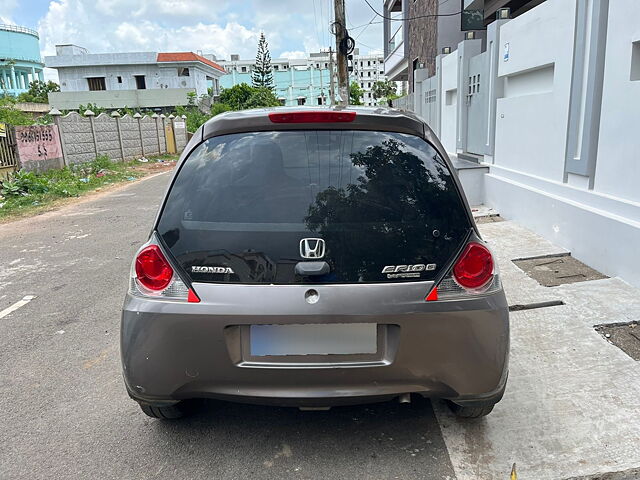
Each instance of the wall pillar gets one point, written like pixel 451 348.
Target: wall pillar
pixel 164 131
pixel 115 114
pixel 91 116
pixel 155 118
pixel 40 75
pixel 57 120
pixel 33 74
pixel 466 50
pixel 4 80
pixel 495 88
pixel 138 117
pixel 586 90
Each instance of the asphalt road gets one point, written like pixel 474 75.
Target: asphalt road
pixel 64 412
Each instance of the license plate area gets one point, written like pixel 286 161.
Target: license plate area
pixel 313 339
pixel 360 345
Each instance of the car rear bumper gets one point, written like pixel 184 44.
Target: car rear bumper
pixel 450 349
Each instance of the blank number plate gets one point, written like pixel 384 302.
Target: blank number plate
pixel 313 339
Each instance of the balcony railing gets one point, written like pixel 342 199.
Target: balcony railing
pixel 19 29
pixel 397 38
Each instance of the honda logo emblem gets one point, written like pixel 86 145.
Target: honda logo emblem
pixel 312 248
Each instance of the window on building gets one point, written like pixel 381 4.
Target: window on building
pixel 326 65
pixel 381 72
pixel 319 100
pixel 244 69
pixel 317 65
pixel 140 82
pixel 368 63
pixel 183 72
pixel 369 84
pixel 96 83
pixel 275 67
pixel 282 100
pixel 362 74
pixel 368 73
pixel 415 66
pixel 119 79
pixel 361 84
pixel 302 100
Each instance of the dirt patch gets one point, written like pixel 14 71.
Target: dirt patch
pixel 141 171
pixel 625 336
pixel 554 270
pixel 488 219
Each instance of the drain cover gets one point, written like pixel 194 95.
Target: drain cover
pixel 554 270
pixel 624 336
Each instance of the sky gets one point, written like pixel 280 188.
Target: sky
pixel 293 28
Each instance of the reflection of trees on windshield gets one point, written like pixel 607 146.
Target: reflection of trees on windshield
pixel 388 216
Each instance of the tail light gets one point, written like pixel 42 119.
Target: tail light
pixel 474 273
pixel 152 269
pixel 474 268
pixel 152 276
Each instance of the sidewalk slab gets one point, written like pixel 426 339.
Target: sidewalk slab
pixel 572 404
pixel 571 407
pixel 510 241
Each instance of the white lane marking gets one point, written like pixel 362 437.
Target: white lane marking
pixel 21 303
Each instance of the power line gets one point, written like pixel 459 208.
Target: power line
pixel 412 18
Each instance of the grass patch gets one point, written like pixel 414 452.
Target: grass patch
pixel 26 193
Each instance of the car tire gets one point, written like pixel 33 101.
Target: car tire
pixel 470 412
pixel 170 412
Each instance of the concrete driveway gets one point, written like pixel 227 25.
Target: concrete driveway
pixel 572 407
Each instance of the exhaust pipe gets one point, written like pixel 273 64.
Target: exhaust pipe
pixel 404 398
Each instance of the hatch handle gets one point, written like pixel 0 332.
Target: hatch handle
pixel 307 269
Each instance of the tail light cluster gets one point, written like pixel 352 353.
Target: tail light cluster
pixel 474 273
pixel 152 276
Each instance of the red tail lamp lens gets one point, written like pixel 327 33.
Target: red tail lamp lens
pixel 474 268
pixel 152 269
pixel 312 117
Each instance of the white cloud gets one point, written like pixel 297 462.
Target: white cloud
pixel 293 27
pixel 293 54
pixel 7 7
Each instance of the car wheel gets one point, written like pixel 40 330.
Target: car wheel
pixel 470 412
pixel 169 412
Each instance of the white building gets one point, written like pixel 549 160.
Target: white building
pixel 547 119
pixel 307 81
pixel 138 79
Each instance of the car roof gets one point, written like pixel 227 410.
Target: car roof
pixel 367 118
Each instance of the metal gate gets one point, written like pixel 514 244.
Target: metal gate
pixel 8 155
pixel 478 105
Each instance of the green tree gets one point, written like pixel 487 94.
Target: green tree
pixel 243 96
pixel 355 93
pixel 384 89
pixel 39 92
pixel 262 74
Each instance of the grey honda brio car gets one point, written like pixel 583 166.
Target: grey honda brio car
pixel 313 258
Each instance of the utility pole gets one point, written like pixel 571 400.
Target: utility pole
pixel 340 31
pixel 332 86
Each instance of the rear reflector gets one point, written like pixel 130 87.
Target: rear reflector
pixel 329 116
pixel 192 297
pixel 433 295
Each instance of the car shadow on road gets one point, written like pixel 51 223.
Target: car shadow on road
pixel 382 440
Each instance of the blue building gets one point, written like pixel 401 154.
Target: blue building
pixel 20 61
pixel 296 81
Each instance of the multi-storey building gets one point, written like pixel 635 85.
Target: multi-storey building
pixel 307 81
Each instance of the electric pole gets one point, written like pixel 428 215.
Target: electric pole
pixel 340 31
pixel 332 87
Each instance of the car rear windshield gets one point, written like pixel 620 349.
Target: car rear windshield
pixel 248 207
